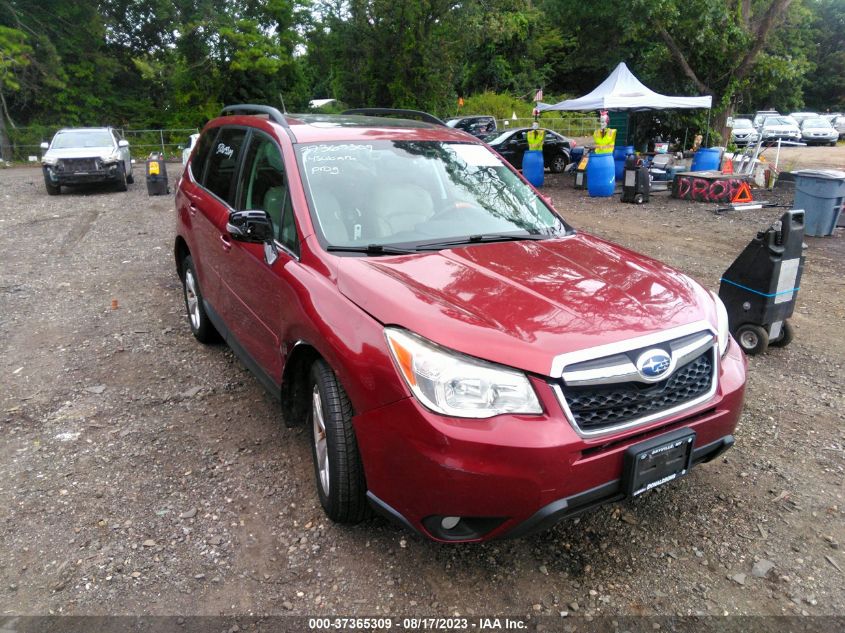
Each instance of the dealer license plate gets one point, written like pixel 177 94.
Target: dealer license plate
pixel 658 461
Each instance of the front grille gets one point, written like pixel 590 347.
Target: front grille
pixel 598 407
pixel 78 164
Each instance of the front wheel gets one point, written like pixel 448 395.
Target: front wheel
pixel 52 190
pixel 121 179
pixel 753 339
pixel 337 464
pixel 130 177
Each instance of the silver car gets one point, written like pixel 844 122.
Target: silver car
pixel 78 156
pixel 818 130
pixel 743 132
pixel 780 127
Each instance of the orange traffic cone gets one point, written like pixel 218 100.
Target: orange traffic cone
pixel 728 165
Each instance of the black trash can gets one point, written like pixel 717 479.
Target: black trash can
pixel 760 288
pixel 581 172
pixel 157 175
pixel 635 183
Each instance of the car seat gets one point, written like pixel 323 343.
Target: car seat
pixel 398 208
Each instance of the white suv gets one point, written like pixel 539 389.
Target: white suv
pixel 78 156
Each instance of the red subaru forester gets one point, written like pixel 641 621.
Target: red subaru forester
pixel 468 363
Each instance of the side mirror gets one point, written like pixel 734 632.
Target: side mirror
pixel 45 146
pixel 123 143
pixel 250 226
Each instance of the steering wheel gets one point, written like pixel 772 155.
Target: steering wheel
pixel 460 206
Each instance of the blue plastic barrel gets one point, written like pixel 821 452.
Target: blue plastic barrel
pixel 619 155
pixel 532 167
pixel 601 175
pixel 706 159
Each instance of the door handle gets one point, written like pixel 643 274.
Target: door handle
pixel 192 209
pixel 227 242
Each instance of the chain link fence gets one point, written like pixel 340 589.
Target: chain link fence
pixel 25 142
pixel 571 126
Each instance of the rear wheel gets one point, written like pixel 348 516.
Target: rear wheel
pixel 753 339
pixel 201 326
pixel 786 335
pixel 559 163
pixel 337 464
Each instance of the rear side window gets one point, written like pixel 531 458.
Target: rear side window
pixel 201 155
pixel 223 163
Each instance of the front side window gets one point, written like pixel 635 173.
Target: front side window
pixel 223 163
pixel 265 187
pixel 201 155
pixel 411 193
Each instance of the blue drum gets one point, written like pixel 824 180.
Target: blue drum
pixel 619 156
pixel 706 159
pixel 533 168
pixel 601 175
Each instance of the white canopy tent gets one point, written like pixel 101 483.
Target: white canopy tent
pixel 622 91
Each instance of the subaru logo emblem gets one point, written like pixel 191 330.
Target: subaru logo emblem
pixel 654 364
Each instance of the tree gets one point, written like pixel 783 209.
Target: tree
pixel 14 55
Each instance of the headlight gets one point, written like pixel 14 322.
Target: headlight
pixel 453 384
pixel 110 158
pixel 49 160
pixel 722 324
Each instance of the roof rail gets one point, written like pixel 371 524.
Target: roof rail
pixel 248 108
pixel 408 114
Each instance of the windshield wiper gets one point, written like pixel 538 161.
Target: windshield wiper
pixel 479 239
pixel 371 249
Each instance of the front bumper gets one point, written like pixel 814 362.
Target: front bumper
pixel 511 475
pixel 108 172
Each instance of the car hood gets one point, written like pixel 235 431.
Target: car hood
pixel 523 303
pixel 79 152
pixel 828 130
pixel 781 128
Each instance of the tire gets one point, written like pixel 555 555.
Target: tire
pixel 121 179
pixel 787 333
pixel 559 163
pixel 753 339
pixel 639 199
pixel 201 326
pixel 130 177
pixel 52 190
pixel 338 471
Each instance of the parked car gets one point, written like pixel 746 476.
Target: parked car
pixel 779 127
pixel 799 117
pixel 513 144
pixel 466 362
pixel 477 124
pixel 839 125
pixel 818 130
pixel 186 151
pixel 743 132
pixel 79 156
pixel 762 115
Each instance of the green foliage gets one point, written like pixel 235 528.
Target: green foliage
pixel 174 63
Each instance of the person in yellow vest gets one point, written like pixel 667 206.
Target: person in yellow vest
pixel 536 136
pixel 604 137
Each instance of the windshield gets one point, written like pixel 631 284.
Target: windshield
pixel 816 123
pixel 82 138
pixel 411 193
pixel 742 124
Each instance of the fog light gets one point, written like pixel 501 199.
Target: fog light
pixel 447 523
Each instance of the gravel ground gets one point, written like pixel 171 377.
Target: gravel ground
pixel 143 473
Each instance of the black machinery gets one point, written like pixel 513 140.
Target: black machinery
pixel 635 186
pixel 760 288
pixel 581 172
pixel 157 175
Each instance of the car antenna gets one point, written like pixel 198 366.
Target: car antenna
pixel 284 107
